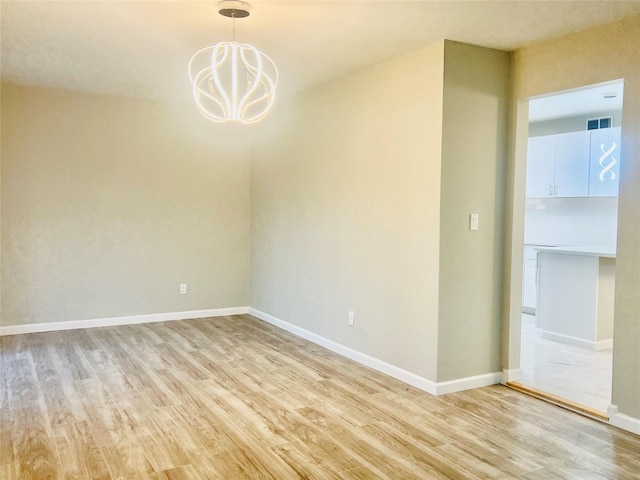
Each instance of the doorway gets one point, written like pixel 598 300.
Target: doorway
pixel 570 236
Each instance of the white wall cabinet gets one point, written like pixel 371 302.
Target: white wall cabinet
pixel 568 164
pixel 541 157
pixel 571 165
pixel 604 178
pixel 558 165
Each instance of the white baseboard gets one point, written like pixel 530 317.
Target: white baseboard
pixel 578 342
pixel 114 321
pixel 604 344
pixel 512 375
pixel 429 386
pixel 620 420
pixel 467 383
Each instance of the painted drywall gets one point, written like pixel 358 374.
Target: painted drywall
pixel 109 203
pixel 345 212
pixel 597 55
pixel 0 204
pixel 572 221
pixel 364 205
pixel 476 89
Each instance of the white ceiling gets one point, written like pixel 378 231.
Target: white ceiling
pixel 142 48
pixel 586 101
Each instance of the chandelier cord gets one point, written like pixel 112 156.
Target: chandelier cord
pixel 233 23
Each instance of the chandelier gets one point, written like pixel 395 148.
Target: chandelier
pixel 233 82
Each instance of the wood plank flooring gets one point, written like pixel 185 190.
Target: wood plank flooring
pixel 235 398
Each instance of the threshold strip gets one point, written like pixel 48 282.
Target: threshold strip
pixel 560 401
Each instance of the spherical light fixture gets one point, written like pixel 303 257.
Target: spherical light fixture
pixel 233 82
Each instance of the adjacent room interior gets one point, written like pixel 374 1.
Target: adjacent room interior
pixel 571 225
pixel 340 286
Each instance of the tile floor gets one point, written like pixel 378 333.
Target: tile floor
pixel 578 374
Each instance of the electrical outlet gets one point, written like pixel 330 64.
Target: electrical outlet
pixel 183 289
pixel 351 315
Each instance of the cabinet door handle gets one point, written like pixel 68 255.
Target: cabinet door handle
pixel 555 190
pixel 550 189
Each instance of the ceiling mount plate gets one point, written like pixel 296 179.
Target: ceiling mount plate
pixel 233 8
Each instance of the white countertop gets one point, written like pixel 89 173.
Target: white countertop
pixel 544 244
pixel 591 250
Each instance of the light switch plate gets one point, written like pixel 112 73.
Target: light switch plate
pixel 474 219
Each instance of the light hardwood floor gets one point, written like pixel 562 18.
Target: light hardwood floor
pixel 234 398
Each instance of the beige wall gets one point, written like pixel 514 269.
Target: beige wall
pixel 345 212
pixel 109 203
pixel 476 89
pixel 602 54
pixel 0 205
pixel 364 205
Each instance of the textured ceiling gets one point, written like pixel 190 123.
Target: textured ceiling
pixel 142 48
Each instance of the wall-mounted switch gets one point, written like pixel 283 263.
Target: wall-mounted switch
pixel 183 289
pixel 351 315
pixel 474 218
